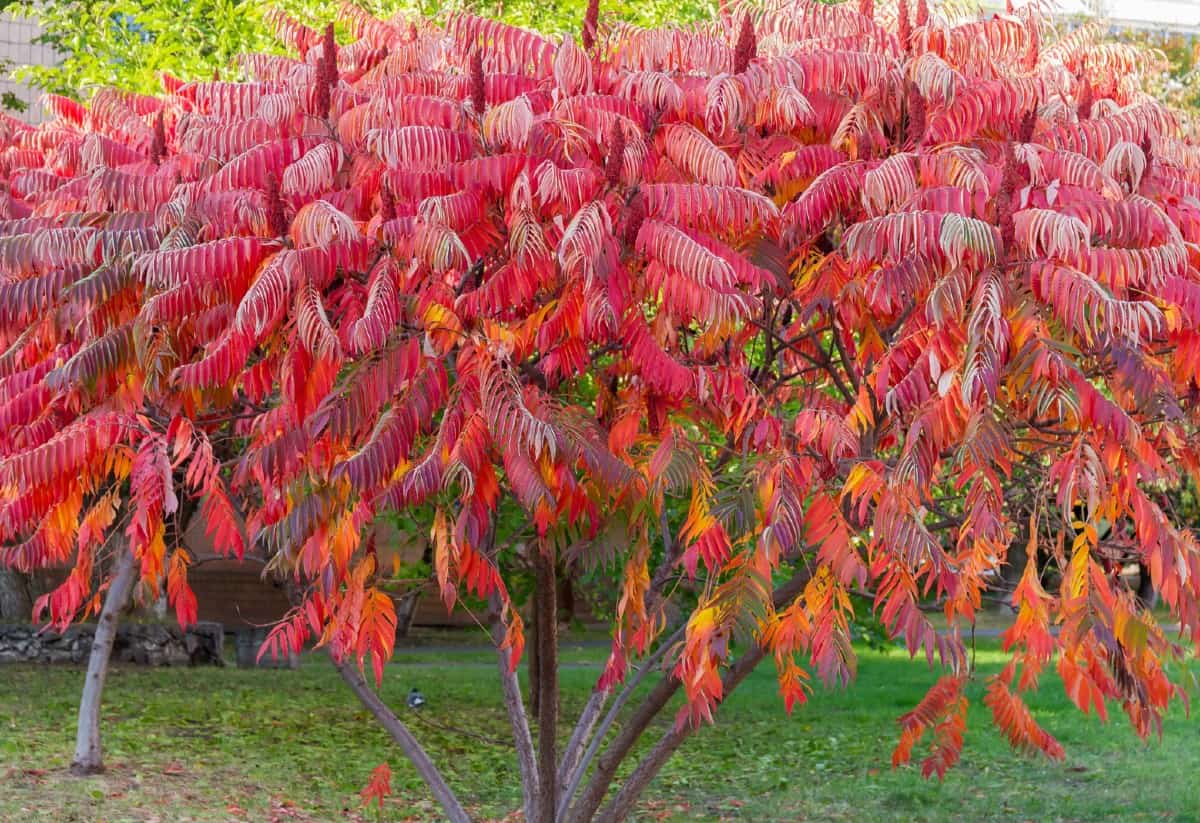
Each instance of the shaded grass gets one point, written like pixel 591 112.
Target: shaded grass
pixel 228 744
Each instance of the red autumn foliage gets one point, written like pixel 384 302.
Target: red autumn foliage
pixel 873 302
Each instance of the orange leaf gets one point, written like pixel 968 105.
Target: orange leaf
pixel 379 786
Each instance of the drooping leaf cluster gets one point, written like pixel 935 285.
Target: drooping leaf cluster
pixel 878 294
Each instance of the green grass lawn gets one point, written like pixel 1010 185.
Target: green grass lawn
pixel 228 744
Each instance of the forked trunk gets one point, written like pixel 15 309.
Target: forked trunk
pixel 88 753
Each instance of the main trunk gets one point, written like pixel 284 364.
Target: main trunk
pixel 533 656
pixel 88 753
pixel 546 595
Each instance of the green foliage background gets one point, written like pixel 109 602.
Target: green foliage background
pixel 127 43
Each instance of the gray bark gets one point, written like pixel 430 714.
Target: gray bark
pixel 611 758
pixel 581 734
pixel 408 744
pixel 622 804
pixel 517 718
pixel 89 756
pixel 546 595
pixel 16 601
pixel 578 770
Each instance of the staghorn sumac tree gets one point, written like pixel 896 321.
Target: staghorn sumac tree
pixel 871 296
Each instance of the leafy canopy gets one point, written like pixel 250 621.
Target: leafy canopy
pixel 879 293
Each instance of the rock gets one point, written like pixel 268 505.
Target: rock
pixel 152 644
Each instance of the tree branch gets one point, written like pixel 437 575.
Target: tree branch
pixel 620 806
pixel 579 736
pixel 610 760
pixel 517 718
pixel 581 769
pixel 404 739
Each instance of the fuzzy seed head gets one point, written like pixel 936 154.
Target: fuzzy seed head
pixel 322 102
pixel 277 222
pixel 616 156
pixel 1028 124
pixel 747 46
pixel 387 204
pixel 636 216
pixel 329 51
pixel 158 149
pixel 478 85
pixel 591 23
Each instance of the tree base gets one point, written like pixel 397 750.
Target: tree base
pixel 86 769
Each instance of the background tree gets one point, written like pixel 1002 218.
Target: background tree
pixel 97 450
pixel 873 295
pixel 129 43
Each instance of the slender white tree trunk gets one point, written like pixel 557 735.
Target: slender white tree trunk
pixel 88 753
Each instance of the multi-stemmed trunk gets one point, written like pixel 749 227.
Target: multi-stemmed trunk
pixel 573 788
pixel 89 758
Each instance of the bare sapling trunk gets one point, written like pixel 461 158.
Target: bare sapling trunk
pixel 89 758
pixel 408 744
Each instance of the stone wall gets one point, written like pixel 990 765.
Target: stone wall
pixel 150 644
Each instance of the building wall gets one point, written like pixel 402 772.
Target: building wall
pixel 17 48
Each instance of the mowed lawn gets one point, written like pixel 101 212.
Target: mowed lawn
pixel 229 744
